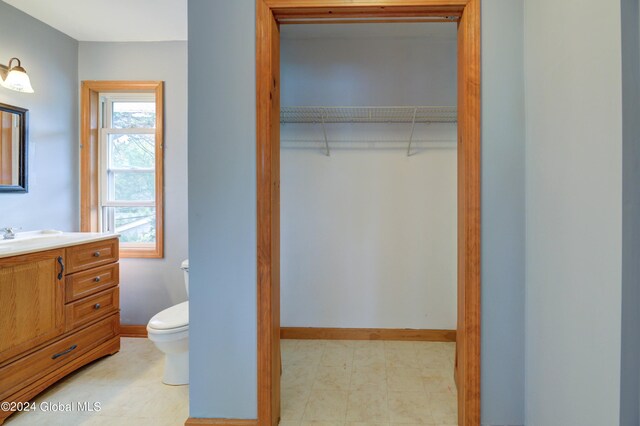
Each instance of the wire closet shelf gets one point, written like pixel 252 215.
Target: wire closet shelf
pixel 368 114
pixel 362 114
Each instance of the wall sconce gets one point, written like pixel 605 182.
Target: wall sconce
pixel 15 77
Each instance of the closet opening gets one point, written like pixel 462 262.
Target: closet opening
pixel 368 244
pixel 368 166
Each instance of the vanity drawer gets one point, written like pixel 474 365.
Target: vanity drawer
pixel 86 283
pixel 91 308
pixel 86 256
pixel 24 371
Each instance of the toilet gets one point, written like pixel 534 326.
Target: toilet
pixel 169 331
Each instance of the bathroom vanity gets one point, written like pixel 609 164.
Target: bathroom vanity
pixel 59 309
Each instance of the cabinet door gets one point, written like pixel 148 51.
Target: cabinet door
pixel 31 301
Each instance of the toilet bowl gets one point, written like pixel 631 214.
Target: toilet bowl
pixel 169 331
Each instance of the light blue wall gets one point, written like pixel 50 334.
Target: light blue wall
pixel 503 213
pixel 574 199
pixel 222 208
pixel 630 360
pixel 51 60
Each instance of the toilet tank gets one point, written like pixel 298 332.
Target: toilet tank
pixel 185 270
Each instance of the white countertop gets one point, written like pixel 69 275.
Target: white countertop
pixel 35 241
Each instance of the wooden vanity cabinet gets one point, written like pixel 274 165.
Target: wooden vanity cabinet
pixel 31 301
pixel 59 310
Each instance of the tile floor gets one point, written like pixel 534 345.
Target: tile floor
pixel 324 383
pixel 367 383
pixel 127 385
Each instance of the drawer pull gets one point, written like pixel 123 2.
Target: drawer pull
pixel 97 279
pixel 61 263
pixel 58 355
pixel 96 306
pixel 96 254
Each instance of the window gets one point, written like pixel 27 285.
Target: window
pixel 127 168
pixel 124 194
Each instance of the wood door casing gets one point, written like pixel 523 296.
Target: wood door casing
pixel 268 205
pixel 31 300
pixel 469 161
pixel 306 9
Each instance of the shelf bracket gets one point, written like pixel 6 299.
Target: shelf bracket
pixel 413 127
pixel 326 141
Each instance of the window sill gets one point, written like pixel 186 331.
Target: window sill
pixel 142 253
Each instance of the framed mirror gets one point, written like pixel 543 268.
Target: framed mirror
pixel 14 130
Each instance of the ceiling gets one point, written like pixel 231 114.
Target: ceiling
pixel 431 30
pixel 111 20
pixel 164 20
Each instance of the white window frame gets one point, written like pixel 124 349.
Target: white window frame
pixel 106 104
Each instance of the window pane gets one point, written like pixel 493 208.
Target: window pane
pixel 135 224
pixel 130 115
pixel 132 151
pixel 132 186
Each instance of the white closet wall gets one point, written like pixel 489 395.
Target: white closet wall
pixel 368 235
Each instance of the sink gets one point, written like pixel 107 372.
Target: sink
pixel 27 241
pixel 27 237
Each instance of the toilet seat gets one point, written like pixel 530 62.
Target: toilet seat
pixel 157 332
pixel 172 320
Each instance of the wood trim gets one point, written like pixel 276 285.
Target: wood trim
pixel 89 149
pixel 268 13
pixel 469 226
pixel 127 330
pixel 194 421
pixel 365 21
pixel 159 251
pixel 389 12
pixel 268 212
pixel 138 253
pixel 88 159
pixel 356 4
pixel 314 333
pixel 118 86
pixel 287 9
